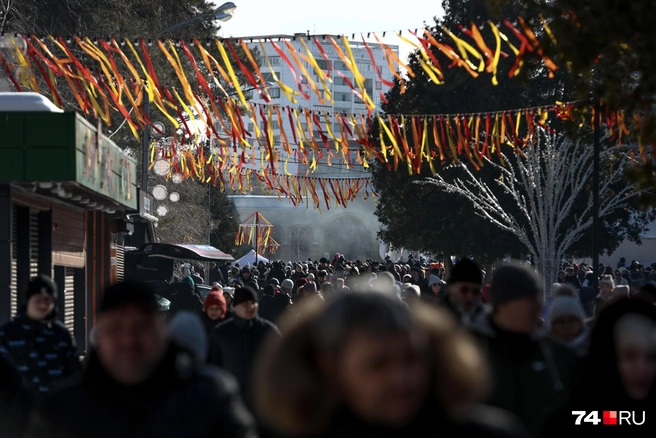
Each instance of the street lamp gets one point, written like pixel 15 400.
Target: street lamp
pixel 222 13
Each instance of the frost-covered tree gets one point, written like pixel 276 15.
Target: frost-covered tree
pixel 547 181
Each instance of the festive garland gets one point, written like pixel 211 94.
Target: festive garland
pixel 411 140
pixel 99 85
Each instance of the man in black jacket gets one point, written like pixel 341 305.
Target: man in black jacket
pixel 234 344
pixel 138 383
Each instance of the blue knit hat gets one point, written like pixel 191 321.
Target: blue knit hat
pixel 188 281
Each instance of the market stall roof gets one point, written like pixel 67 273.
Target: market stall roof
pixel 249 259
pixel 184 252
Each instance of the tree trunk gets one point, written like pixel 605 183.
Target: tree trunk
pixel 548 267
pixel 448 267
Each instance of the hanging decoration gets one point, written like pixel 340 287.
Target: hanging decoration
pixel 255 231
pixel 105 75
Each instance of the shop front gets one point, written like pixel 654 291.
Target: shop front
pixel 66 198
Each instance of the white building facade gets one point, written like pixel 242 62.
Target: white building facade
pixel 287 218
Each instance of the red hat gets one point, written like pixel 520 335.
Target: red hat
pixel 301 282
pixel 215 298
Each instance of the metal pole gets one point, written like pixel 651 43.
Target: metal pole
pixel 209 214
pixel 257 236
pixel 145 145
pixel 596 229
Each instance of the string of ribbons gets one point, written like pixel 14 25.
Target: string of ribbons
pixel 312 137
pixel 106 75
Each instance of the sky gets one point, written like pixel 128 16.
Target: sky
pixel 267 17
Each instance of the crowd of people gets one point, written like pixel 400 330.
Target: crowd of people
pixel 340 348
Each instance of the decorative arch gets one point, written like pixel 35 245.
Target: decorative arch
pixel 300 239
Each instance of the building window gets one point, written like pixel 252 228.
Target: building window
pixel 274 125
pixel 358 100
pixel 341 81
pixel 369 86
pixel 275 61
pixel 323 65
pixel 268 77
pixel 379 85
pixel 250 127
pixel 342 97
pixel 339 65
pixel 274 93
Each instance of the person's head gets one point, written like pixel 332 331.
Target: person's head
pixel 514 293
pixel 322 276
pixel 411 293
pixel 561 275
pixel 215 305
pixel 563 290
pixel 188 284
pixel 569 272
pixel 384 282
pixel 269 290
pixel 566 318
pixel 606 285
pixel 41 298
pixel 131 336
pixel 368 354
pixel 327 289
pixel 635 341
pixel 435 285
pixel 300 283
pixel 245 273
pixel 228 294
pixel 287 286
pixel 244 305
pixel 308 289
pixel 466 284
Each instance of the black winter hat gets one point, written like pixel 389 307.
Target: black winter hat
pixel 124 294
pixel 466 271
pixel 41 284
pixel 511 282
pixel 243 294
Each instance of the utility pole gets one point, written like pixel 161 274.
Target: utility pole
pixel 596 228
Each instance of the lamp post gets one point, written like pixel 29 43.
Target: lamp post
pixel 222 13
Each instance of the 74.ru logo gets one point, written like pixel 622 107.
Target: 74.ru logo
pixel 610 418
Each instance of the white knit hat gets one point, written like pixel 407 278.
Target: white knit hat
pixel 565 306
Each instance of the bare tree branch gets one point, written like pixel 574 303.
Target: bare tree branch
pixel 546 183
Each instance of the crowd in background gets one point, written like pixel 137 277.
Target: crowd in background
pixel 340 348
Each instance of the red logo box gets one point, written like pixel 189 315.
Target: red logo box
pixel 610 417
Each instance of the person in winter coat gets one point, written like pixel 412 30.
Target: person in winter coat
pixel 567 324
pixel 619 374
pixel 186 298
pixel 235 343
pixel 15 400
pixel 229 295
pixel 464 297
pixel 365 365
pixel 214 309
pixel 138 383
pixel 531 374
pixel 39 345
pixel 435 285
pixel 266 305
